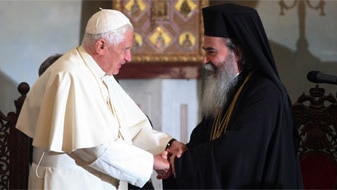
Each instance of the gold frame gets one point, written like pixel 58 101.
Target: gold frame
pixel 162 27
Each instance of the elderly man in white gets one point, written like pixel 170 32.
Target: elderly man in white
pixel 87 132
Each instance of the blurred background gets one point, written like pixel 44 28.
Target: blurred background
pixel 302 35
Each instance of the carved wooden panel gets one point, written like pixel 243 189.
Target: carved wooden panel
pixel 316 117
pixel 14 147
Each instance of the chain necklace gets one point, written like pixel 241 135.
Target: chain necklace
pixel 220 123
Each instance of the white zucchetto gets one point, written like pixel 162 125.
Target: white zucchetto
pixel 106 20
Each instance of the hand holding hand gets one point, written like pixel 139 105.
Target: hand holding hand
pixel 174 149
pixel 161 162
pixel 162 165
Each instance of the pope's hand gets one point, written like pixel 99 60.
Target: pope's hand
pixel 161 162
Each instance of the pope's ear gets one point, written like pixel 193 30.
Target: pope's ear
pixel 100 46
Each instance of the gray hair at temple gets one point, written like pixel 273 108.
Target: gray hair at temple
pixel 235 46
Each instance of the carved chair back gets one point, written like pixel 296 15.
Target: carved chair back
pixel 15 147
pixel 316 117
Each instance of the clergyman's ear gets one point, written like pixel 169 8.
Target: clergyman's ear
pixel 238 53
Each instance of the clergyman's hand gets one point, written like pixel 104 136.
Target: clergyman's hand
pixel 177 148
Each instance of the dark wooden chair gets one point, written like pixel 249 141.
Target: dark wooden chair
pixel 15 147
pixel 316 117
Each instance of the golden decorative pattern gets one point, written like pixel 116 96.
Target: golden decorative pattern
pixel 165 30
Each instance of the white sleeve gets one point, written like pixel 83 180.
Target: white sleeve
pixel 119 160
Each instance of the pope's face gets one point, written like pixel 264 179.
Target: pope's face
pixel 118 55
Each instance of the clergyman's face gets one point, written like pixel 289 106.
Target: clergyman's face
pixel 215 50
pixel 221 66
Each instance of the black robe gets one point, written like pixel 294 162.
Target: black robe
pixel 258 149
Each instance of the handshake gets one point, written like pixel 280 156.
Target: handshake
pixel 164 162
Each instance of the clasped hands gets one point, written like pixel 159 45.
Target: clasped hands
pixel 164 162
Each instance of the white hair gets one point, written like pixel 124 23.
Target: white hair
pixel 113 37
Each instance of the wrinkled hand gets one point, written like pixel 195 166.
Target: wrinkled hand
pixel 171 171
pixel 161 162
pixel 162 165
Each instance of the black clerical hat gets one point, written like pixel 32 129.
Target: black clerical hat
pixel 243 24
pixel 218 19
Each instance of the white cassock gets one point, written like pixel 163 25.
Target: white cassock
pixel 87 132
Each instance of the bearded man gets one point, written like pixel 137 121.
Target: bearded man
pixel 247 137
